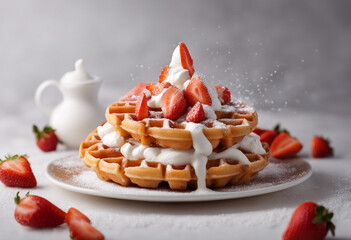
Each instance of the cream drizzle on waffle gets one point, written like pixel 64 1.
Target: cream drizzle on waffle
pixel 196 157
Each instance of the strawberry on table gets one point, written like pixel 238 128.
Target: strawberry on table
pixel 80 226
pixel 156 89
pixel 259 131
pixel 196 91
pixel 37 212
pixel 135 93
pixel 223 94
pixel 164 74
pixel 268 136
pixel 285 146
pixel 141 108
pixel 320 147
pixel 173 103
pixel 309 222
pixel 196 114
pixel 186 60
pixel 15 171
pixel 46 139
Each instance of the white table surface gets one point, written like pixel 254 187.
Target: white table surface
pixel 263 217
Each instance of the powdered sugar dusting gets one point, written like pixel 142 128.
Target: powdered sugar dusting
pixel 71 171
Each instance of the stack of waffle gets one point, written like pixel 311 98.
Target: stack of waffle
pixel 116 150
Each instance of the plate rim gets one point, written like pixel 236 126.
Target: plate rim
pixel 178 196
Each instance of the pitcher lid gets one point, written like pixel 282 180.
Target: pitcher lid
pixel 79 75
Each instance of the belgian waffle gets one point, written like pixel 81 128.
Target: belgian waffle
pixel 236 120
pixel 110 164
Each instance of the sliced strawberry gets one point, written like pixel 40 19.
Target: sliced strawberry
pixel 141 108
pixel 185 58
pixel 196 114
pixel 46 139
pixel 320 147
pixel 259 131
pixel 82 230
pixel 223 94
pixel 156 89
pixel 15 171
pixel 285 146
pixel 74 214
pixel 135 93
pixel 309 222
pixel 196 91
pixel 173 103
pixel 80 226
pixel 269 136
pixel 37 212
pixel 164 74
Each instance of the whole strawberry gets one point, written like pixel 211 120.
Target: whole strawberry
pixel 320 147
pixel 46 139
pixel 37 212
pixel 15 171
pixel 309 222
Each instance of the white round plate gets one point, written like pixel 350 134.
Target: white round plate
pixel 70 173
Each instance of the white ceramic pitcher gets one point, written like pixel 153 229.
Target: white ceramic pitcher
pixel 79 112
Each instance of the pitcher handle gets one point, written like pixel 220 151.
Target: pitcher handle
pixel 39 92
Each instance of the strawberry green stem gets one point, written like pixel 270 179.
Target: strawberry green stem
pixel 323 215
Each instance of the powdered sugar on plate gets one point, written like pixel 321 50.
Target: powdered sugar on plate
pixel 72 174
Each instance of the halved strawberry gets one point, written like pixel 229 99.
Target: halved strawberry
pixel 320 147
pixel 196 91
pixel 80 226
pixel 15 171
pixel 173 103
pixel 268 136
pixel 196 114
pixel 74 214
pixel 37 212
pixel 157 88
pixel 223 94
pixel 185 58
pixel 135 93
pixel 141 108
pixel 285 146
pixel 164 74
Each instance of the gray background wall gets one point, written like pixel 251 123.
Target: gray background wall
pixel 276 55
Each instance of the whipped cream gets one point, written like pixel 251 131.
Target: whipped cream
pixel 196 157
pixel 110 136
pixel 200 142
pixel 133 152
pixel 230 153
pixel 215 103
pixel 177 75
pixel 166 123
pixel 251 143
pixel 202 148
pixel 209 112
pixel 169 156
pixel 155 101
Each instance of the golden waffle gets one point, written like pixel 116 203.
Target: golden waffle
pixel 110 164
pixel 238 124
